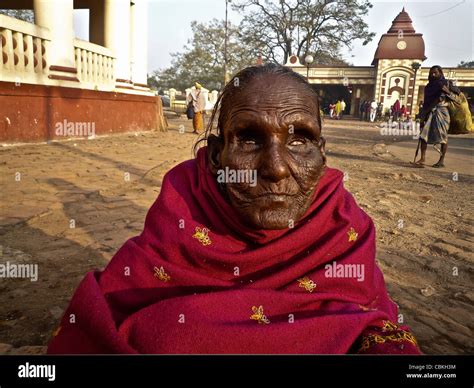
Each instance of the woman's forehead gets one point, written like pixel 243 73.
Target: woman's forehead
pixel 268 83
pixel 252 117
pixel 275 93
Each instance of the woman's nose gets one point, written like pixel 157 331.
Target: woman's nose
pixel 273 166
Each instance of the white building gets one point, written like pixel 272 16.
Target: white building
pixel 47 75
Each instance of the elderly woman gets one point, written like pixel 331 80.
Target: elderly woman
pixel 284 263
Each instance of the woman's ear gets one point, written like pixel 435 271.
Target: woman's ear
pixel 322 148
pixel 214 149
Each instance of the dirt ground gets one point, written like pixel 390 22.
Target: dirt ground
pixel 423 218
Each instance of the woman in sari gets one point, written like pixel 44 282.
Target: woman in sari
pixel 199 105
pixel 284 263
pixel 434 117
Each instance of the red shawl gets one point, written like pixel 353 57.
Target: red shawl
pixel 197 280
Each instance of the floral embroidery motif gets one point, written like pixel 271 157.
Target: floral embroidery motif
pixel 374 339
pixel 259 316
pixel 307 284
pixel 389 326
pixel 394 334
pixel 352 234
pixel 161 274
pixel 202 236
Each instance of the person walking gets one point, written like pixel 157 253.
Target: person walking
pixel 403 113
pixel 198 100
pixel 331 110
pixel 373 110
pixel 362 110
pixel 367 110
pixel 379 115
pixel 343 108
pixel 337 110
pixel 396 110
pixel 435 118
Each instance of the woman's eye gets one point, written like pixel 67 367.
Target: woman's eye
pixel 248 141
pixel 297 141
pixel 248 138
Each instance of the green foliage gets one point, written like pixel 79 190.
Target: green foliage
pixel 203 58
pixel 466 64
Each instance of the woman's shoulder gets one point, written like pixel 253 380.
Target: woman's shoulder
pixel 181 173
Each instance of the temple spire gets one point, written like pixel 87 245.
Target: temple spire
pixel 402 22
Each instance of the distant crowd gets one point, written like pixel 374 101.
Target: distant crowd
pixel 336 110
pixel 371 110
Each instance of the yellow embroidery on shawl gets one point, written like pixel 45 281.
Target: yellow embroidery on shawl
pixel 161 274
pixel 374 339
pixel 202 236
pixel 258 315
pixel 389 326
pixel 307 284
pixel 352 234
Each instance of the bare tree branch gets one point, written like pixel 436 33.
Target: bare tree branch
pixel 299 26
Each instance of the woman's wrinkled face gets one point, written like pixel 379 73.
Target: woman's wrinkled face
pixel 271 132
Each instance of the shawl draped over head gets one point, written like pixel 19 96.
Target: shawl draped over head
pixel 433 91
pixel 198 280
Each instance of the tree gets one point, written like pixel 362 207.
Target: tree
pixel 23 14
pixel 467 64
pixel 203 58
pixel 152 80
pixel 280 28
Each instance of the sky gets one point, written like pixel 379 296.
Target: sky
pixel 447 28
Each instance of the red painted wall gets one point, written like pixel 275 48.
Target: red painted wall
pixel 31 112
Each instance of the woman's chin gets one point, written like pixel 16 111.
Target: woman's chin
pixel 272 219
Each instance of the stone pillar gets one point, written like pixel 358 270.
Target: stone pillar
pixel 355 103
pixel 117 38
pixel 56 15
pixel 139 42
